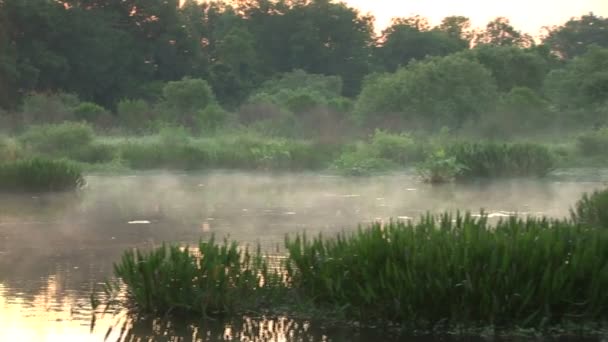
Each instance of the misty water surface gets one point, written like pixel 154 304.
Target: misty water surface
pixel 56 248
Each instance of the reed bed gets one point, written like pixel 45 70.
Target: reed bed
pixel 442 270
pixel 491 160
pixel 213 279
pixel 40 175
pixel 458 270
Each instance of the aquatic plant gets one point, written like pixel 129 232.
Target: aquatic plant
pixel 39 174
pixel 213 279
pixel 439 168
pixel 490 159
pixel 592 210
pixel 457 270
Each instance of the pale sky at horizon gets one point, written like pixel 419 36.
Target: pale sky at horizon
pixel 525 15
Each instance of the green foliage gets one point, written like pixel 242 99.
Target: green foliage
pixel 457 270
pixel 583 83
pixel 183 100
pixel 439 168
pixel 209 280
pixel 592 210
pixel 135 115
pixel 512 66
pixel 39 175
pixel 436 92
pixel 10 150
pixel 593 143
pixel 89 112
pixel 58 138
pixel 404 42
pixel 399 148
pixel 574 37
pixel 42 108
pixel 213 117
pixel 489 159
pixel 361 162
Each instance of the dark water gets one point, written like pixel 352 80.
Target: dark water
pixel 57 248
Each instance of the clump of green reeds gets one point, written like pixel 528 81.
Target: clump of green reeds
pixel 215 279
pixel 592 210
pixel 39 174
pixel 490 159
pixel 458 270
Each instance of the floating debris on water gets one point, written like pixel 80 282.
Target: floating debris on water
pixel 139 222
pixel 290 213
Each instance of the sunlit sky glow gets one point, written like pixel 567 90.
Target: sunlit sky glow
pixel 526 15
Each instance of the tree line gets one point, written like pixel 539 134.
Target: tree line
pixel 247 51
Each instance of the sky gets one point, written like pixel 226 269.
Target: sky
pixel 525 15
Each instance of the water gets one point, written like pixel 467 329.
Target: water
pixel 57 248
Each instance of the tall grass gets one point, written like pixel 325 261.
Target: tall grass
pixel 38 174
pixel 216 279
pixel 489 159
pixel 441 271
pixel 458 270
pixel 592 210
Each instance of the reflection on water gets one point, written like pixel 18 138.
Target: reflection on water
pixel 55 248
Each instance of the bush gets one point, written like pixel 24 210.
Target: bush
pixel 57 139
pixel 400 148
pixel 487 159
pixel 439 168
pixel 188 95
pixel 361 161
pixel 40 174
pixel 213 117
pixel 592 210
pixel 436 92
pixel 39 108
pixel 593 143
pixel 9 149
pixel 89 112
pixel 135 115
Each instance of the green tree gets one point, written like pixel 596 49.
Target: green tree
pixel 512 66
pixel 575 36
pixel 500 32
pixel 410 39
pixel 440 91
pixel 583 83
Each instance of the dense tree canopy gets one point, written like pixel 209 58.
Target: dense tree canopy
pixel 158 58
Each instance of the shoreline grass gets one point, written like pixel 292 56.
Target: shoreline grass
pixel 40 175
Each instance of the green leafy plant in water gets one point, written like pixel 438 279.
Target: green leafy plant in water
pixel 212 279
pixel 440 168
pixel 39 174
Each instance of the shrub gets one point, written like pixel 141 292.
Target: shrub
pixel 213 117
pixel 400 148
pixel 89 112
pixel 57 139
pixel 40 174
pixel 135 115
pixel 592 210
pixel 361 161
pixel 41 108
pixel 439 168
pixel 9 149
pixel 188 95
pixel 488 159
pixel 593 143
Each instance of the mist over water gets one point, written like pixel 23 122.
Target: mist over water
pixel 56 248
